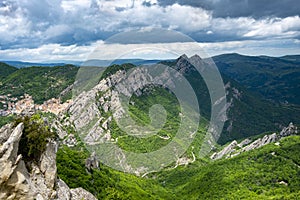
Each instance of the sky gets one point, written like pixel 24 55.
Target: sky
pixel 60 30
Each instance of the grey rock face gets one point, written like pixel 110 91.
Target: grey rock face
pixel 63 191
pixel 290 130
pixel 70 141
pixel 92 162
pixel 261 142
pixel 14 175
pixel 5 133
pixel 16 181
pixel 40 183
pixel 244 142
pixel 231 151
pixel 227 150
pixel 80 193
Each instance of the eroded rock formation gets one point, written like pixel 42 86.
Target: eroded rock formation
pixel 247 145
pixel 39 180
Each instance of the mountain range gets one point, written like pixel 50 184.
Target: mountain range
pixel 261 98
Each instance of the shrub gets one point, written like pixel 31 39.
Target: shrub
pixel 34 138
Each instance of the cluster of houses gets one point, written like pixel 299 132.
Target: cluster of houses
pixel 25 104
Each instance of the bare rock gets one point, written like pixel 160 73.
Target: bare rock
pixel 244 142
pixel 80 194
pixel 70 141
pixel 267 139
pixel 227 150
pixel 65 193
pixel 283 183
pixel 40 183
pixel 63 190
pixel 14 175
pixel 261 142
pixel 290 130
pixel 92 162
pixel 5 132
pixel 48 164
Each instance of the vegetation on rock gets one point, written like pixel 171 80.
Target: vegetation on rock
pixel 35 137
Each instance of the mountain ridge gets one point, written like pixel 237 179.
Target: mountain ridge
pixel 267 172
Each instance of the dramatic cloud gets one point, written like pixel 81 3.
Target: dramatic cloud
pixel 243 8
pixel 32 24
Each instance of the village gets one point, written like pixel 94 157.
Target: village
pixel 25 104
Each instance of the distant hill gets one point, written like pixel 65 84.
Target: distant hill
pixel 295 58
pixel 20 64
pixel 6 70
pixel 42 83
pixel 277 79
pixel 104 63
pixel 93 62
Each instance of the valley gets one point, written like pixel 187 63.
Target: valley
pixel 255 157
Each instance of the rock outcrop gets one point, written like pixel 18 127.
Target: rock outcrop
pixel 14 178
pixel 70 140
pixel 92 162
pixel 65 193
pixel 290 130
pixel 31 180
pixel 261 142
pixel 227 150
pixel 246 145
pixel 80 193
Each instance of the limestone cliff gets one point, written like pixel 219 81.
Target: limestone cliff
pixel 39 180
pixel 231 150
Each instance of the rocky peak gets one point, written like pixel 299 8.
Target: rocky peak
pixel 196 59
pixel 182 57
pixel 185 64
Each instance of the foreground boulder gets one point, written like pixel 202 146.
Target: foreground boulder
pixel 20 179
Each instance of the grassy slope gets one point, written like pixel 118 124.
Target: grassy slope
pixel 105 183
pixel 252 175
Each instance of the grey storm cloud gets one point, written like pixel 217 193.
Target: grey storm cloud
pixel 243 8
